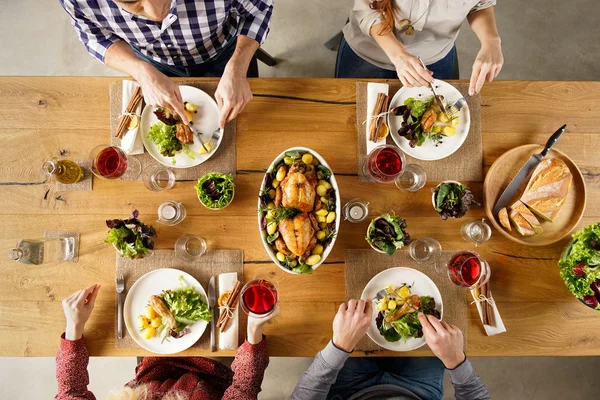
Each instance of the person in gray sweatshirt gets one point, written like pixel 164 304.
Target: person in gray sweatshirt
pixel 335 376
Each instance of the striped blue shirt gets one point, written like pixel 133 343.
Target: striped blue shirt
pixel 193 32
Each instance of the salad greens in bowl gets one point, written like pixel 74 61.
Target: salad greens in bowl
pixel 215 191
pixel 386 233
pixel 452 199
pixel 580 266
pixel 130 237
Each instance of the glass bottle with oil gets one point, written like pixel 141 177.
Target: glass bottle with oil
pixel 65 171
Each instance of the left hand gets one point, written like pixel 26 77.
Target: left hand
pixel 256 324
pixel 78 308
pixel 487 65
pixel 232 95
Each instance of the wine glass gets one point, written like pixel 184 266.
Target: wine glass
pixel 259 298
pixel 384 164
pixel 110 162
pixel 467 269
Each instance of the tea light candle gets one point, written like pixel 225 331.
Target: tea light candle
pixel 357 212
pixel 168 212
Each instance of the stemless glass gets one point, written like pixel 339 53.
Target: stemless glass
pixel 412 178
pixel 477 232
pixel 110 162
pixel 467 269
pixel 259 298
pixel 190 247
pixel 426 251
pixel 158 178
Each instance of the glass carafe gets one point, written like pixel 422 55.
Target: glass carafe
pixel 30 251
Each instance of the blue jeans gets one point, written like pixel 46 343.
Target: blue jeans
pixel 424 376
pixel 351 65
pixel 211 68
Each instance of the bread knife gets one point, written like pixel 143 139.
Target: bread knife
pixel 534 160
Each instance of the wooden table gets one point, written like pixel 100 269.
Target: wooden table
pixel 44 117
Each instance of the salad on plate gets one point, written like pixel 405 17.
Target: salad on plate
pixel 398 313
pixel 170 313
pixel 170 134
pixel 131 237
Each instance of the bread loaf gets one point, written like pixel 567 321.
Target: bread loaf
pixel 547 189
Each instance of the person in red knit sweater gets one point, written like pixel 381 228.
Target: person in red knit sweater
pixel 189 378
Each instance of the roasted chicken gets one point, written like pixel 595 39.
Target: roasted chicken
pixel 161 309
pixel 298 234
pixel 411 304
pixel 429 117
pixel 184 133
pixel 298 192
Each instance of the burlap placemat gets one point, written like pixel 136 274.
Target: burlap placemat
pixel 213 263
pixel 62 235
pixel 466 164
pixel 84 185
pixel 362 265
pixel 223 161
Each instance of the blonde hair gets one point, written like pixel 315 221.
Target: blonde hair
pixel 142 393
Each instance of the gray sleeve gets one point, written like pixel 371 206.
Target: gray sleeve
pixel 321 374
pixel 467 384
pixel 365 16
pixel 482 5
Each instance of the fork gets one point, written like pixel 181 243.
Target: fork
pixel 120 286
pixel 455 108
pixel 214 139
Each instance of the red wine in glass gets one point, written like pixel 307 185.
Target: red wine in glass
pixel 385 163
pixel 467 269
pixel 111 162
pixel 259 297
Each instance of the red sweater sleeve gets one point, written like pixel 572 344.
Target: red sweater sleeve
pixel 71 370
pixel 248 371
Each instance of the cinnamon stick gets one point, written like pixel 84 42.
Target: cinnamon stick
pixel 490 309
pixel 231 303
pixel 379 106
pixel 125 119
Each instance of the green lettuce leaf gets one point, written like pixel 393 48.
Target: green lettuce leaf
pixel 186 305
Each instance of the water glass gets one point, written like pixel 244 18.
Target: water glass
pixel 190 247
pixel 355 210
pixel 171 213
pixel 158 178
pixel 426 251
pixel 412 178
pixel 477 232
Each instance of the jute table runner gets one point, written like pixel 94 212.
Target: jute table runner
pixel 362 265
pixel 85 184
pixel 213 263
pixel 223 161
pixel 466 164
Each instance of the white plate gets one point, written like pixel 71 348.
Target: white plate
pixel 428 151
pixel 153 283
pixel 338 209
pixel 206 121
pixel 421 285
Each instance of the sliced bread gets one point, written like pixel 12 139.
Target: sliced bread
pixel 504 221
pixel 520 223
pixel 528 215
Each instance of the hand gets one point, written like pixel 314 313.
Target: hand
pixel 160 91
pixel 487 65
pixel 411 72
pixel 351 323
pixel 232 94
pixel 255 325
pixel 78 308
pixel 445 340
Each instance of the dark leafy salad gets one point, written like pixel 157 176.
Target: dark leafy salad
pixel 398 313
pixel 422 120
pixel 580 266
pixel 130 236
pixel 215 191
pixel 387 234
pixel 453 200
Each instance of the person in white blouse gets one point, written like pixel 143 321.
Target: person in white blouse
pixel 385 38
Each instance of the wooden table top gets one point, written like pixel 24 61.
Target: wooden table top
pixel 44 116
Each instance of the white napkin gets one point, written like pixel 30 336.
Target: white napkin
pixel 131 143
pixel 490 330
pixel 228 340
pixel 373 89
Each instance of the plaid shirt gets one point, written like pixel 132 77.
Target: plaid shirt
pixel 193 32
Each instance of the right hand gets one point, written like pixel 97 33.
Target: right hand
pixel 256 324
pixel 445 340
pixel 411 72
pixel 351 323
pixel 160 91
pixel 78 308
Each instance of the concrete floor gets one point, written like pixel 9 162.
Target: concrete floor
pixel 542 39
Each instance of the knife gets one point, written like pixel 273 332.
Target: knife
pixel 212 300
pixel 197 134
pixel 435 95
pixel 525 170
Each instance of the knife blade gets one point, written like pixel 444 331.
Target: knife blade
pixel 212 300
pixel 197 134
pixel 525 170
pixel 435 95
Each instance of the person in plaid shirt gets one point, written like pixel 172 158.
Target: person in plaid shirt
pixel 154 39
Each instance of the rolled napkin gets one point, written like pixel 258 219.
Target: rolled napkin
pixel 373 90
pixel 488 311
pixel 131 143
pixel 228 339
